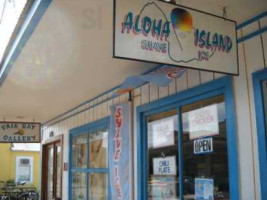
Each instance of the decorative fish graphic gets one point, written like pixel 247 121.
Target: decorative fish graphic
pixel 20 132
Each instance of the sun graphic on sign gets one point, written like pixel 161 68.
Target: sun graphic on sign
pixel 181 20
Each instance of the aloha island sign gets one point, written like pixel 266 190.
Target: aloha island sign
pixel 16 132
pixel 160 32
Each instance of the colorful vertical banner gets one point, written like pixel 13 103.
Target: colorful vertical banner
pixel 120 152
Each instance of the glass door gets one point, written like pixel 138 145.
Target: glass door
pixel 52 171
pixel 162 156
pixel 187 152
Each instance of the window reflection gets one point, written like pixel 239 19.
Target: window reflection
pixel 98 186
pixel 98 145
pixel 79 186
pixel 79 151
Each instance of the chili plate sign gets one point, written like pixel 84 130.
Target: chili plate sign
pixel 160 32
pixel 17 132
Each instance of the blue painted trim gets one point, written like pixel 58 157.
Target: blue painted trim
pixel 223 86
pixel 258 77
pixel 32 19
pixel 254 19
pixel 253 34
pixel 90 127
pixel 91 170
pixel 180 153
pixel 86 130
pixel 231 139
pixel 141 156
pixel 185 95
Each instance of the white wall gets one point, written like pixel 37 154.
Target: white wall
pixel 251 58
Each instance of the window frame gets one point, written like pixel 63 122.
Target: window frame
pixel 30 158
pixel 86 130
pixel 258 78
pixel 222 86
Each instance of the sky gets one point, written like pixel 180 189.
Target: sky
pixel 10 11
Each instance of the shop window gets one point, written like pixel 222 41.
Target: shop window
pixel 89 167
pixel 163 156
pixel 24 169
pixel 188 150
pixel 205 159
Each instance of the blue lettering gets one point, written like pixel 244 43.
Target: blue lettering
pixel 128 23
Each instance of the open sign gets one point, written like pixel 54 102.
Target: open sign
pixel 203 146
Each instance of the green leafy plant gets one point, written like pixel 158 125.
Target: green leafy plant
pixel 10 183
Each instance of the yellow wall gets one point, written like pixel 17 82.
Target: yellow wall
pixel 8 163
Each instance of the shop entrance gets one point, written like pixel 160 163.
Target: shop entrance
pixel 52 169
pixel 187 145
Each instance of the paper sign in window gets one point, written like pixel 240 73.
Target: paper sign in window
pixel 203 122
pixel 163 133
pixel 164 166
pixel 204 189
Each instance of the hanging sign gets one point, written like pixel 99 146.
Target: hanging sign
pixel 203 122
pixel 164 166
pixel 203 146
pixel 161 32
pixel 17 132
pixel 163 133
pixel 120 152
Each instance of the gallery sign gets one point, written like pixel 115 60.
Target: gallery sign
pixel 160 32
pixel 18 132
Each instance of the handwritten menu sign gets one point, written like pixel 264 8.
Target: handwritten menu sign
pixel 164 166
pixel 203 122
pixel 163 133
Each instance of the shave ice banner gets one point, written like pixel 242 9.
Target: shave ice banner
pixel 120 152
pixel 161 32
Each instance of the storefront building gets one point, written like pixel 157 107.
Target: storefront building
pixel 234 161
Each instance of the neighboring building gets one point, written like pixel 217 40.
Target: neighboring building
pixel 20 162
